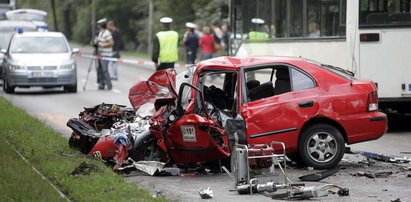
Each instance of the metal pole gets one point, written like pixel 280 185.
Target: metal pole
pixel 150 27
pixel 53 8
pixel 93 19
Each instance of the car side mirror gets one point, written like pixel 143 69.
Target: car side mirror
pixel 3 50
pixel 75 50
pixel 180 110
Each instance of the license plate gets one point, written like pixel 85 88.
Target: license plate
pixel 189 133
pixel 42 74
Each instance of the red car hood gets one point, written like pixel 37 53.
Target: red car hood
pixel 160 85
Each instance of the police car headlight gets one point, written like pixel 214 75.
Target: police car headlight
pixel 17 67
pixel 68 66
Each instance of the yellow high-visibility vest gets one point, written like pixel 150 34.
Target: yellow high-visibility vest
pixel 253 35
pixel 168 46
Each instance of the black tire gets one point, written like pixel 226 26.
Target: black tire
pixel 145 149
pixel 7 88
pixel 321 146
pixel 71 89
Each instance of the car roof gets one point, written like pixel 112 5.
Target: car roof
pixel 233 63
pixel 28 10
pixel 13 24
pixel 40 34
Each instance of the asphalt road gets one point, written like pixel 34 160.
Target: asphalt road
pixel 55 107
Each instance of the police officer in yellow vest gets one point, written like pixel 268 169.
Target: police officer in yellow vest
pixel 165 46
pixel 257 33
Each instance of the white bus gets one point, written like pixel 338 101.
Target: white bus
pixel 371 38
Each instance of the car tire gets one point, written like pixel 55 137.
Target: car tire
pixel 321 146
pixel 7 88
pixel 71 89
pixel 145 149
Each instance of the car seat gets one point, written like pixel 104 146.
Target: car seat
pixel 262 91
pixel 282 83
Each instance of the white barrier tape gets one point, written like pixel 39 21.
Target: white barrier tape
pixel 121 60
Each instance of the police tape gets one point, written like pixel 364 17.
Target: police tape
pixel 121 60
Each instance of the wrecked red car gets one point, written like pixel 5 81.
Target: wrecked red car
pixel 315 109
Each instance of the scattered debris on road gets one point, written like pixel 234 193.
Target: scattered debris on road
pixel 385 158
pixel 85 169
pixel 319 176
pixel 206 193
pixel 381 174
pixel 303 192
pixel 149 167
pixel 378 174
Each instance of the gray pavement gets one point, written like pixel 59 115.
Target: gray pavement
pixel 55 107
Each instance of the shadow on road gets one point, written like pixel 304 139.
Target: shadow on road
pixel 399 123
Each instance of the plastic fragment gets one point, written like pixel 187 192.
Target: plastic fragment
pixel 206 193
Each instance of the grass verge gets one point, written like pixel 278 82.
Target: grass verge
pixel 18 180
pixel 43 147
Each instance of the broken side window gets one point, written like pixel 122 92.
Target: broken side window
pixel 264 82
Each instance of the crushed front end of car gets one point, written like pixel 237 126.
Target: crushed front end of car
pixel 111 132
pixel 161 126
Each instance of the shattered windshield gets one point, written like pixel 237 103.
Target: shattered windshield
pixel 185 77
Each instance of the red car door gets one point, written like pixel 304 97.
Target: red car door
pixel 280 115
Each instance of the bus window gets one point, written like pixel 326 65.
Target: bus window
pixel 290 19
pixel 385 13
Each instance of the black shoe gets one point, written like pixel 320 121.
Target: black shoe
pixel 109 87
pixel 101 87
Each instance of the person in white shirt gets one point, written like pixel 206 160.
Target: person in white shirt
pixel 104 42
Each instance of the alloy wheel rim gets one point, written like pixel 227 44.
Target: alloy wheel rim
pixel 322 147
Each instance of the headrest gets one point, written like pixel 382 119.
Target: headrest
pixel 282 73
pixel 252 84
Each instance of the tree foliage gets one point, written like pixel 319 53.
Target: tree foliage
pixel 131 16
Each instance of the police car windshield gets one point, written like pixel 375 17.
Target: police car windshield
pixel 5 37
pixel 39 45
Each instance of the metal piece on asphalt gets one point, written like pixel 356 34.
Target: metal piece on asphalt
pixel 319 176
pixel 384 158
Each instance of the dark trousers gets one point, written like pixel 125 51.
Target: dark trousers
pixel 103 77
pixel 191 57
pixel 165 66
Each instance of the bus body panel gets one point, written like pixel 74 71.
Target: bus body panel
pixel 387 61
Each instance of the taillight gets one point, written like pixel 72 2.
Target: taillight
pixel 372 101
